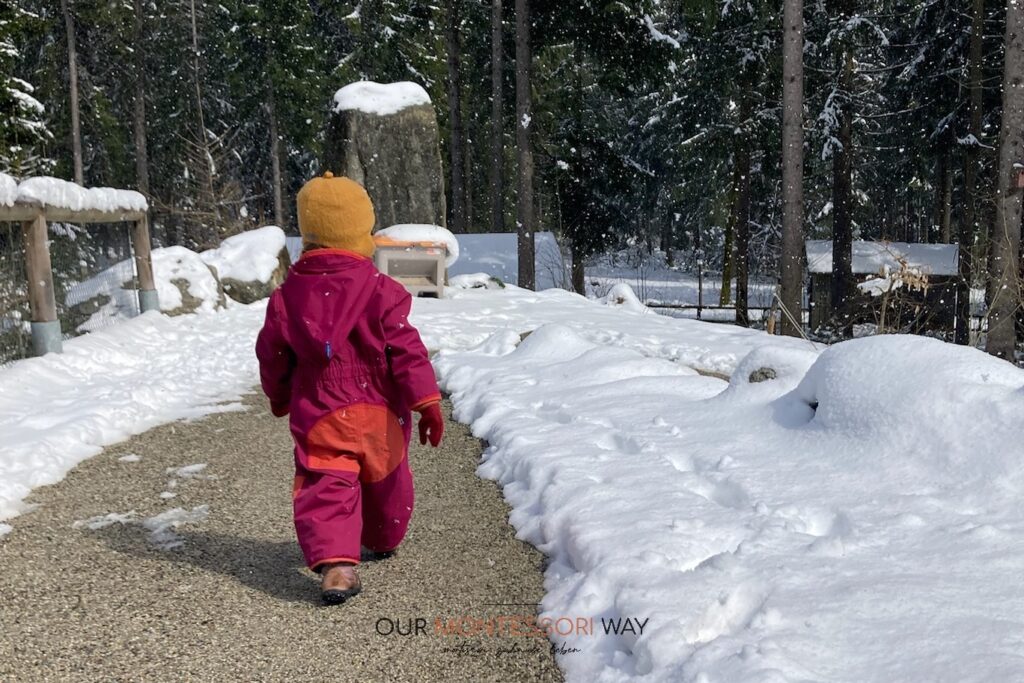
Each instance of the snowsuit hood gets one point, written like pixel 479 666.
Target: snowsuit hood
pixel 333 288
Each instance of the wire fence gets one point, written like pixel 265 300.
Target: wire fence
pixel 94 281
pixel 15 334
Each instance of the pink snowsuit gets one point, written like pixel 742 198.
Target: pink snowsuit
pixel 337 352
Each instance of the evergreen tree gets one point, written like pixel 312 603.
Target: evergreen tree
pixel 23 132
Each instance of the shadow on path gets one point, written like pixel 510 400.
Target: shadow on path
pixel 275 568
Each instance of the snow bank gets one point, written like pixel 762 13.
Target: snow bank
pixel 413 232
pixel 916 391
pixel 249 256
pixel 380 98
pixel 62 194
pixel 848 516
pixel 58 410
pixel 467 317
pixel 8 190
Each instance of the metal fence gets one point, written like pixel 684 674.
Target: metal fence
pixel 94 280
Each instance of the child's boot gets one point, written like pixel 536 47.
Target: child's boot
pixel 339 583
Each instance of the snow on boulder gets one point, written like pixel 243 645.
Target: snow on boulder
pixel 622 295
pixel 937 401
pixel 381 99
pixel 417 232
pixel 8 190
pixel 184 283
pixel 47 191
pixel 251 264
pixel 770 371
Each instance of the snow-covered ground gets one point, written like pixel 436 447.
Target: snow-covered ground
pixel 655 282
pixel 121 380
pixel 855 517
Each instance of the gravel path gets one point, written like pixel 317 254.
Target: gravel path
pixel 233 601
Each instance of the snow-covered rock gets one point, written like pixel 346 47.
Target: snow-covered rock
pixel 623 295
pixel 185 283
pixel 251 264
pixel 386 138
pixel 8 190
pixel 381 99
pixel 475 281
pixel 412 232
pixel 47 191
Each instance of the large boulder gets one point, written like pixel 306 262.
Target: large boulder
pixel 385 137
pixel 252 264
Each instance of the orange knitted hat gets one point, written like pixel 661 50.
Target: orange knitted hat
pixel 336 213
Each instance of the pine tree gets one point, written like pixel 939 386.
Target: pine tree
pixel 23 131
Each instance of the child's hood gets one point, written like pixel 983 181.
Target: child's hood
pixel 325 295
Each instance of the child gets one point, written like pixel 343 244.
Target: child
pixel 338 354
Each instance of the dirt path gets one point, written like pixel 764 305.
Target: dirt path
pixel 233 601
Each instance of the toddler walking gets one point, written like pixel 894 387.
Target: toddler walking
pixel 338 355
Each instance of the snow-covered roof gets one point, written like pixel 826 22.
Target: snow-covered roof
pixel 380 98
pixel 62 194
pixel 872 257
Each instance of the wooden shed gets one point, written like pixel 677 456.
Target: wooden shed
pixel 931 308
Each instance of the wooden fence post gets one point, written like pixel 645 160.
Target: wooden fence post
pixel 46 333
pixel 148 299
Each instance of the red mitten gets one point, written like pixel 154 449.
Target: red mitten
pixel 431 424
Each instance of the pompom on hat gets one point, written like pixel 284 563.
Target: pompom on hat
pixel 336 213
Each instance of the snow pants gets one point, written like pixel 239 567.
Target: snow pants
pixel 353 486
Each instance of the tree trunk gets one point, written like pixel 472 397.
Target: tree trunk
pixel 139 113
pixel 497 124
pixel 944 193
pixel 524 195
pixel 204 166
pixel 791 268
pixel 1002 329
pixel 76 126
pixel 275 156
pixel 725 292
pixel 456 143
pixel 579 283
pixel 969 226
pixel 742 231
pixel 842 197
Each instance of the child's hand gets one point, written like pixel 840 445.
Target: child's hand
pixel 431 424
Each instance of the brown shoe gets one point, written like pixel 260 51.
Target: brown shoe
pixel 339 583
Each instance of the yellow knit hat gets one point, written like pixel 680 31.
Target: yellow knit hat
pixel 336 213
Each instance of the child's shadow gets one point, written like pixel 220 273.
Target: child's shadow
pixel 271 567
